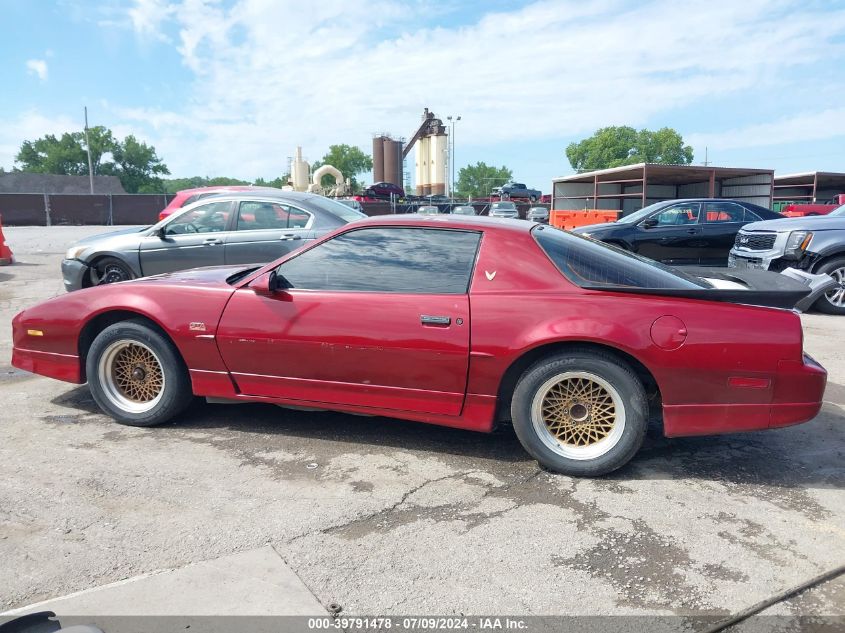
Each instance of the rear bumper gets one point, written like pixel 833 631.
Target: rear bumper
pixel 797 398
pixel 59 366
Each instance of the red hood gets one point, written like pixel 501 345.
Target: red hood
pixel 209 276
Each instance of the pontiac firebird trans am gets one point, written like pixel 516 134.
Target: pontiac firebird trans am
pixel 457 321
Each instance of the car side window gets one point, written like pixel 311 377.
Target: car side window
pixel 400 260
pixel 750 216
pixel 212 217
pixel 717 212
pixel 677 214
pixel 255 215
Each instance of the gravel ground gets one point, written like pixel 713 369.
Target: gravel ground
pixel 404 518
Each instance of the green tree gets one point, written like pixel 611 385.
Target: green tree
pixel 350 160
pixel 615 146
pixel 172 185
pixel 278 183
pixel 134 162
pixel 138 166
pixel 479 179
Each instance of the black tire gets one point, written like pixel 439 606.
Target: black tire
pixel 835 268
pixel 533 198
pixel 135 354
pixel 628 422
pixel 109 270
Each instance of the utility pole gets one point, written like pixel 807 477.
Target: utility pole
pixel 88 148
pixel 706 162
pixel 452 124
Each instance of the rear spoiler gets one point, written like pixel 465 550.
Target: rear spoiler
pixel 791 290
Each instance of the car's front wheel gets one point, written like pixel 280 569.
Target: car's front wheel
pixel 833 302
pixel 583 413
pixel 110 270
pixel 136 375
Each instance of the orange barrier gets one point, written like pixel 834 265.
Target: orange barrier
pixel 6 256
pixel 572 219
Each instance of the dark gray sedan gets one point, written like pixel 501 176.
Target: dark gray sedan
pixel 230 228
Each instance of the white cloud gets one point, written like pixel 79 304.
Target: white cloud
pixel 37 67
pixel 804 127
pixel 273 74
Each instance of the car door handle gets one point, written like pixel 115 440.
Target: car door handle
pixel 211 241
pixel 427 319
pixel 692 231
pixel 290 236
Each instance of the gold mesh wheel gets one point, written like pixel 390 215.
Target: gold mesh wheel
pixel 131 376
pixel 578 415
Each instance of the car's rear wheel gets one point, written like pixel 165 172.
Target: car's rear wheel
pixel 136 375
pixel 583 413
pixel 533 198
pixel 833 302
pixel 109 270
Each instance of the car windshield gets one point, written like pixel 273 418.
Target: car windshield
pixel 336 208
pixel 504 206
pixel 840 211
pixel 636 216
pixel 588 263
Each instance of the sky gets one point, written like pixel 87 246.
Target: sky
pixel 231 87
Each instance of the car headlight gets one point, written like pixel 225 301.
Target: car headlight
pixel 797 243
pixel 74 252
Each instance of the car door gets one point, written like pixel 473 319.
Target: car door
pixel 671 235
pixel 266 230
pixel 191 239
pixel 375 317
pixel 721 222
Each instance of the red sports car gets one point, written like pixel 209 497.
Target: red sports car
pixel 453 320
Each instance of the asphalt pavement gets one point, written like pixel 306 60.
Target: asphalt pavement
pixel 389 517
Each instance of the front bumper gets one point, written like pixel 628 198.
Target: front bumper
pixel 74 273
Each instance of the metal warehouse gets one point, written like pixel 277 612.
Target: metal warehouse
pixel 811 187
pixel 632 187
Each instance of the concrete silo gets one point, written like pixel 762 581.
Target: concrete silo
pixel 378 159
pixel 392 160
pixel 431 144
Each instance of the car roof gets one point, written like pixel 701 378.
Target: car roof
pixel 469 222
pixel 222 188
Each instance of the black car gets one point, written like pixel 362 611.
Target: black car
pixel 699 231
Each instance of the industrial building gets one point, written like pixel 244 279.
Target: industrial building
pixel 388 159
pixel 812 187
pixel 632 187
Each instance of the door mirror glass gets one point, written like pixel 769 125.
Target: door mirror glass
pixel 265 285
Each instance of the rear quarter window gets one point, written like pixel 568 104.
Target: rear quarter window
pixel 591 264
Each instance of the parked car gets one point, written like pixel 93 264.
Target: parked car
pixel 699 231
pixel 428 209
pixel 518 190
pixel 503 210
pixel 813 244
pixel 803 209
pixel 234 228
pixel 189 196
pixel 538 214
pixel 464 209
pixel 384 190
pixel 570 339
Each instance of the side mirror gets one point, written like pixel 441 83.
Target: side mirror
pixel 269 284
pixel 161 232
pixel 649 223
pixel 265 285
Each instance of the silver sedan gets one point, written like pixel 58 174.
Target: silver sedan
pixel 230 228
